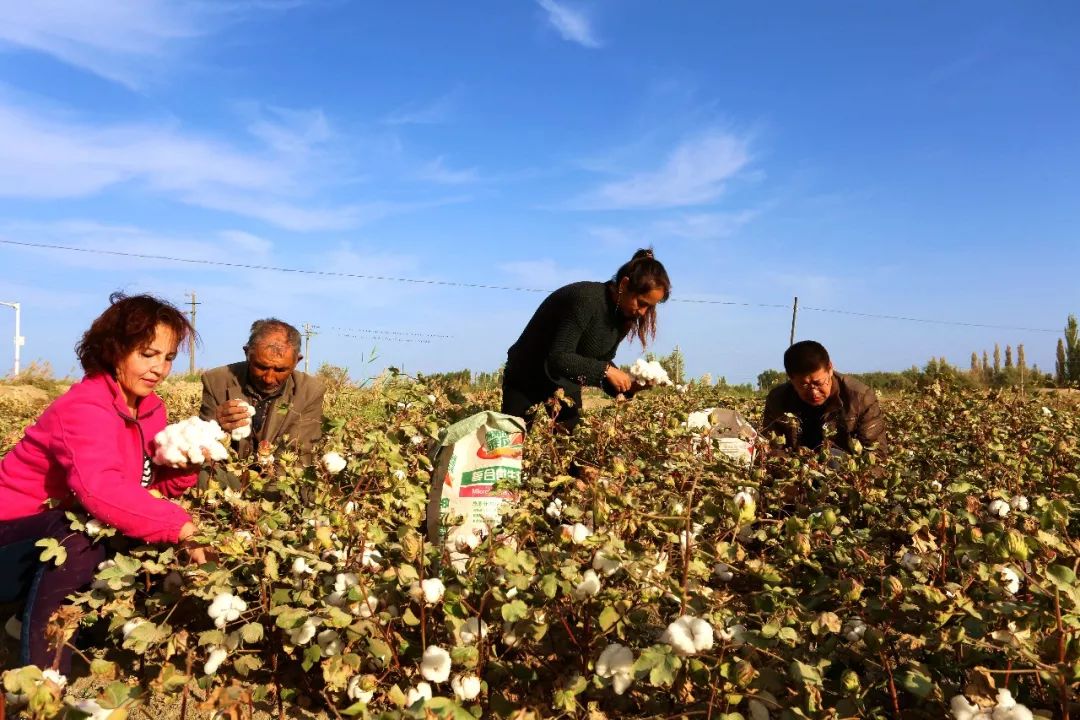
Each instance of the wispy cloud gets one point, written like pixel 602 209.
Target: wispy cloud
pixel 49 157
pixel 543 274
pixel 434 112
pixel 705 226
pixel 436 171
pixel 124 41
pixel 573 25
pixel 694 173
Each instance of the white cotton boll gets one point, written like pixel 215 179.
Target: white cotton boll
pixel 1010 579
pixel 214 659
pixel 616 662
pixel 333 462
pixel 91 709
pixel 13 627
pixel 435 665
pixel 432 590
pixel 462 539
pixel 576 533
pixel 93 527
pixel 910 561
pixel 422 691
pixel 854 629
pixel 350 507
pixel 1047 411
pixel 465 687
pixel 688 635
pixel 370 559
pixel 935 486
pixel 723 572
pixel 182 443
pixel 602 563
pixel 472 631
pixel 743 498
pixel 55 677
pixel 239 433
pixel 1000 508
pixel 330 642
pixel 554 509
pixel 1016 712
pixel 399 475
pixel 510 635
pixel 130 625
pixel 355 690
pixel 589 586
pixel 368 607
pixel 302 635
pixel 649 372
pixel 963 709
pixel 225 608
pixel 1019 502
pixel 300 567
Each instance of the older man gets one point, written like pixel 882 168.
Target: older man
pixel 816 397
pixel 288 403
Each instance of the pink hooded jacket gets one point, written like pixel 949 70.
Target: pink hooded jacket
pixel 86 448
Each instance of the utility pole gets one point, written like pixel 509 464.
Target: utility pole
pixel 191 341
pixel 19 339
pixel 794 314
pixel 309 332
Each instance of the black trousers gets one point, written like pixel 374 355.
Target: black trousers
pixel 519 401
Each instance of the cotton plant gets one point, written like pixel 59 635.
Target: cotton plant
pixel 688 635
pixel 576 533
pixel 999 508
pixel 333 462
pixel 429 591
pixel 472 631
pixel 616 663
pixel 466 687
pixel 435 664
pixel 183 443
pixel 225 608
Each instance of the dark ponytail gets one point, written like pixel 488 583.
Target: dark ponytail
pixel 644 273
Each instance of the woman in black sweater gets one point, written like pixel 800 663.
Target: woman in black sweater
pixel 572 338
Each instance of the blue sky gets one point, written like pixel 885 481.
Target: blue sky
pixel 916 159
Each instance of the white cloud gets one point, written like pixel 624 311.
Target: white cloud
pixel 435 112
pixel 572 25
pixel 705 226
pixel 436 171
pixel 47 157
pixel 124 41
pixel 694 173
pixel 545 274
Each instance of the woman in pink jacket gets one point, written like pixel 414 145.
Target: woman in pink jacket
pixel 91 448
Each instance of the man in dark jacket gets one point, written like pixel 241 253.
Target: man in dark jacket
pixel 816 397
pixel 287 402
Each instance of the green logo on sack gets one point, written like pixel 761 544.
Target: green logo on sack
pixel 496 439
pixel 491 475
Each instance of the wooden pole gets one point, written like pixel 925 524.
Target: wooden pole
pixel 794 314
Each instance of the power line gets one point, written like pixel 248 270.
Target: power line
pixel 388 332
pixel 386 339
pixel 479 286
pixel 927 320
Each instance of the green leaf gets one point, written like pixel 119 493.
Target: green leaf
pixel 917 683
pixel 661 663
pixel 379 651
pixel 514 611
pixel 52 550
pixel 247 664
pixel 119 693
pixel 803 673
pixel 1061 577
pixel 608 617
pixel 252 633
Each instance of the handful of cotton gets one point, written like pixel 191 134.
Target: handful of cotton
pixel 182 443
pixel 649 372
pixel 244 430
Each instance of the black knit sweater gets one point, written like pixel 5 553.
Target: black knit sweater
pixel 569 341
